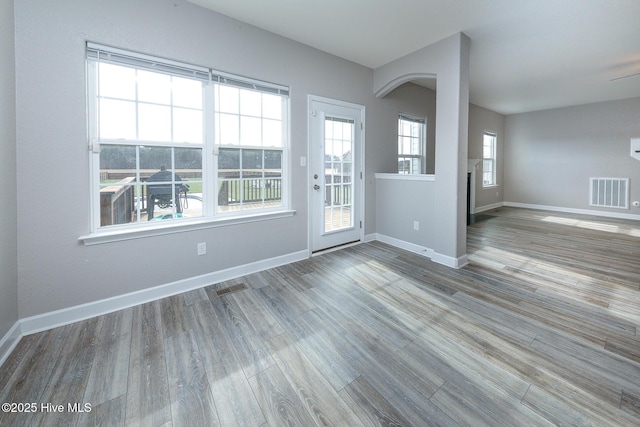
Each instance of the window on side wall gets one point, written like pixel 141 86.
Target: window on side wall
pixel 411 145
pixel 174 142
pixel 489 142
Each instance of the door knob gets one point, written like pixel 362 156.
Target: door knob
pixel 316 187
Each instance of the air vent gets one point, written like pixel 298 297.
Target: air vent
pixel 609 192
pixel 231 289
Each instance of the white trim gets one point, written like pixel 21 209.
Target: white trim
pixel 123 233
pixel 606 214
pixel 402 244
pixel 450 261
pixel 77 313
pixel 9 341
pixel 405 177
pixel 424 251
pixel 361 158
pixel 489 207
pixel 370 237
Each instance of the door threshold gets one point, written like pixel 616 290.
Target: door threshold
pixel 336 247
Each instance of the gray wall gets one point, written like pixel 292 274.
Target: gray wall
pixel 8 236
pixel 448 60
pixel 401 202
pixel 481 120
pixel 57 271
pixel 550 155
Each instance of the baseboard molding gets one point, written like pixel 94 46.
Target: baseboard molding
pixel 370 237
pixel 606 214
pixel 450 261
pixel 77 313
pixel 9 341
pixel 424 251
pixel 402 244
pixel 488 207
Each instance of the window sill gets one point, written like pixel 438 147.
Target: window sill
pixel 118 235
pixel 488 187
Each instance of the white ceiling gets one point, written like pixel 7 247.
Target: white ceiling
pixel 526 55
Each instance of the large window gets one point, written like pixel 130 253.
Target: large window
pixel 171 141
pixel 411 145
pixel 489 159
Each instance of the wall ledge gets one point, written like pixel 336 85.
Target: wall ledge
pixel 404 177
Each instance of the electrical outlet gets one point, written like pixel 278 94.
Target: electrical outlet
pixel 202 248
pixel 636 204
pixel 416 225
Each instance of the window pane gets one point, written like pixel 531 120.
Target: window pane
pixel 250 103
pixel 271 106
pixel 118 203
pixel 152 159
pixel 187 93
pixel 415 166
pixel 117 119
pixel 228 129
pixel 252 160
pixel 227 99
pixel 228 161
pixel 273 161
pixel 154 87
pixel 328 129
pixel 405 145
pixel 273 177
pixel 159 175
pixel 154 122
pixel 486 151
pixel 489 158
pixel 229 188
pixel 117 162
pixel 189 160
pixel 271 133
pixel 188 165
pixel 187 125
pixel 250 132
pixel 117 82
pixel 411 144
pixel 415 130
pixel 335 149
pixel 415 146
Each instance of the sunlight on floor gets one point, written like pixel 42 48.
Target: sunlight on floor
pixel 593 225
pixel 491 256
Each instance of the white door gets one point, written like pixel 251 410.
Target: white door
pixel 335 164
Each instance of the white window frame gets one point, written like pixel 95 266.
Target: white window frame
pixel 422 144
pixel 491 158
pixel 210 148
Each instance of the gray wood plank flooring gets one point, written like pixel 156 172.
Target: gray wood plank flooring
pixel 541 328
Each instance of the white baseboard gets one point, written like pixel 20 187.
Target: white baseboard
pixel 450 261
pixel 607 214
pixel 412 247
pixel 488 207
pixel 65 316
pixel 9 341
pixel 424 251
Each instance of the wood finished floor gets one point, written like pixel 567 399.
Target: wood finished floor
pixel 540 329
